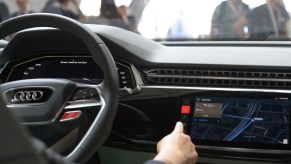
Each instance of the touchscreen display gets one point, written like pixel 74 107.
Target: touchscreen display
pixel 247 120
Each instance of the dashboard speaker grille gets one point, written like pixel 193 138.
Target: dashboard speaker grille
pixel 247 79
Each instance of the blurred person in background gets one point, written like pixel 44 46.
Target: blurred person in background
pixel 288 28
pixel 62 7
pixel 225 17
pixel 109 10
pixel 23 8
pixel 122 11
pixel 112 15
pixel 178 29
pixel 4 12
pixel 266 21
pixel 48 4
pixel 127 19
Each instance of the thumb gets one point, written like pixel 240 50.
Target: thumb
pixel 178 128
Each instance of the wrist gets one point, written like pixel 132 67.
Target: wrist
pixel 168 157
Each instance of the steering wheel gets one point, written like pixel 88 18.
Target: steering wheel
pixel 42 101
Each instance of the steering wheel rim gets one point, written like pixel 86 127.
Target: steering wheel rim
pixel 101 126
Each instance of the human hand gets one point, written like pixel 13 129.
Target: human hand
pixel 177 148
pixel 82 17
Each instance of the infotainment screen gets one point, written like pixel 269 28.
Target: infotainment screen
pixel 251 120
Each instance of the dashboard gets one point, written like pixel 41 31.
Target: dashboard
pixel 232 107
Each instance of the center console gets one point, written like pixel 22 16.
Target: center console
pixel 230 124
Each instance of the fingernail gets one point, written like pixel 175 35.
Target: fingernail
pixel 179 123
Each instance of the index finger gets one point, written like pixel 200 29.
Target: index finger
pixel 178 128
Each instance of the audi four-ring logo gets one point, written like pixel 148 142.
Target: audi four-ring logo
pixel 23 96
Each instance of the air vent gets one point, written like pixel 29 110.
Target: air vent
pixel 247 79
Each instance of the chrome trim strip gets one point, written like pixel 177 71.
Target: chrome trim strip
pixel 231 149
pixel 219 78
pixel 136 76
pixel 244 150
pixel 82 104
pixel 24 105
pixel 217 89
pixel 88 86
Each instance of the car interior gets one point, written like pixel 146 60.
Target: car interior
pixel 101 93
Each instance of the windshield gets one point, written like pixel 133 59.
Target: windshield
pixel 174 19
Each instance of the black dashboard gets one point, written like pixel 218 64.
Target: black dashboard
pixel 233 98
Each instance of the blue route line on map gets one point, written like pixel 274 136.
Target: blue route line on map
pixel 241 131
pixel 237 116
pixel 224 108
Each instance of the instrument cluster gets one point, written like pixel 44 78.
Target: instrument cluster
pixel 81 69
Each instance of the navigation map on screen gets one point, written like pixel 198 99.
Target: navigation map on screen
pixel 241 120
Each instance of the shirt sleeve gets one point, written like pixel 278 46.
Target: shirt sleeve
pixel 154 162
pixel 216 14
